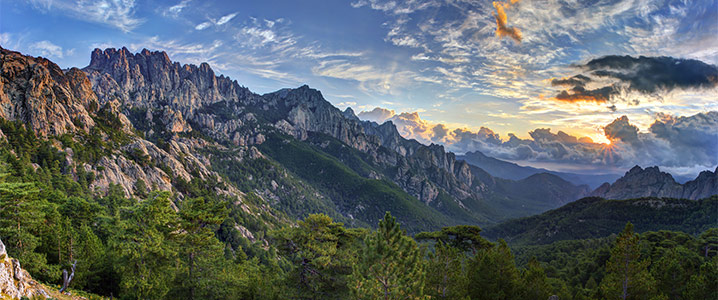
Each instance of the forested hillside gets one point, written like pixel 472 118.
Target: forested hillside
pixel 594 217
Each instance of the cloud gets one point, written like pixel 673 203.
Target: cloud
pixel 118 14
pixel 47 49
pixel 621 129
pixel 222 20
pixel 694 137
pixel 651 76
pixel 501 28
pixel 203 25
pixel 226 18
pixel 175 10
pixel 378 114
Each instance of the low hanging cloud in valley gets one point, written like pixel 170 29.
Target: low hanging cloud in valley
pixel 613 76
pixel 694 137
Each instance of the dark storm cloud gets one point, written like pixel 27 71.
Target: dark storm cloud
pixel 646 75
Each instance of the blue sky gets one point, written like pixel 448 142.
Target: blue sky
pixel 442 63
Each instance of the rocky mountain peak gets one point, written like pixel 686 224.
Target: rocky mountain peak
pixel 652 182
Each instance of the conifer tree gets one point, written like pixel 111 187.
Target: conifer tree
pixel 493 274
pixel 627 276
pixel 390 265
pixel 145 248
pixel 200 251
pixel 322 252
pixel 534 281
pixel 446 273
pixel 20 219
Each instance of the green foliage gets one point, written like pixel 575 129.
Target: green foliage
pixel 463 237
pixel 595 217
pixel 366 199
pixel 389 265
pixel 446 273
pixel 493 274
pixel 145 248
pixel 322 253
pixel 627 276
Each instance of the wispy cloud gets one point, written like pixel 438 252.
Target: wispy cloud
pixel 118 14
pixel 176 10
pixel 212 22
pixel 48 49
pixel 226 18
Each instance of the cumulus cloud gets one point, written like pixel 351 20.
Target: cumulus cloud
pixel 502 29
pixel 47 49
pixel 694 137
pixel 378 114
pixel 652 76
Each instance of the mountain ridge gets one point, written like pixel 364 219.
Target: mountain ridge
pixel 166 125
pixel 651 182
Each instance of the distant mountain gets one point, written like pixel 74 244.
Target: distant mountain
pixel 538 192
pixel 651 182
pixel 509 170
pixel 595 217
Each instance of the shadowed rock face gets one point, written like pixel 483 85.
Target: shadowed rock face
pixel 651 182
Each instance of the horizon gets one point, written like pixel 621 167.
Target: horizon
pixel 502 115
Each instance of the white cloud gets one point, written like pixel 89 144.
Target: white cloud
pixel 47 49
pixel 175 10
pixel 226 18
pixel 203 25
pixel 116 13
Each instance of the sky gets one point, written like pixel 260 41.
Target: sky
pixel 570 85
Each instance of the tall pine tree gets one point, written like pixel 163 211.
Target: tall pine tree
pixel 390 265
pixel 627 276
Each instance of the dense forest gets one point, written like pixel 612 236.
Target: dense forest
pixel 161 246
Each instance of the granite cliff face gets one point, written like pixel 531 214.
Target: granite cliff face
pixel 37 92
pixel 651 182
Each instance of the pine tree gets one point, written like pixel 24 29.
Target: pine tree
pixel 145 248
pixel 446 273
pixel 390 265
pixel 673 270
pixel 627 277
pixel 322 252
pixel 493 274
pixel 703 284
pixel 201 253
pixel 20 219
pixel 534 281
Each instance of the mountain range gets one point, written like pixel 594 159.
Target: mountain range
pixel 141 120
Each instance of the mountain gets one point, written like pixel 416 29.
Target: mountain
pixel 509 170
pixel 651 182
pixel 594 217
pixel 141 120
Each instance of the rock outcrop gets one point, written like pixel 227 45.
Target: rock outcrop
pixel 37 92
pixel 15 282
pixel 651 182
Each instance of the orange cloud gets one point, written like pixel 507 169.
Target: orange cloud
pixel 501 20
